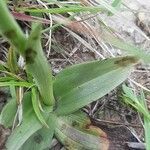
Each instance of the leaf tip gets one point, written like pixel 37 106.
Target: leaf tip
pixel 125 61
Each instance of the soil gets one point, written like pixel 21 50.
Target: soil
pixel 121 123
pixel 4 133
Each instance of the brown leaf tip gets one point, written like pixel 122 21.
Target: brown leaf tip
pixel 125 61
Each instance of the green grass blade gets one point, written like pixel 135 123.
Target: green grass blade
pixel 35 99
pixel 38 66
pixel 146 121
pixel 6 79
pixel 13 75
pixel 147 131
pixel 139 103
pixel 15 83
pixel 2 67
pixel 82 84
pixel 13 92
pixel 63 9
pixel 130 98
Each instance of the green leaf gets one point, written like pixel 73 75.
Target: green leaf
pixel 6 79
pixel 8 113
pixel 42 138
pixel 35 100
pixel 130 98
pixel 29 126
pixel 147 131
pixel 10 29
pixel 38 66
pixel 2 67
pixel 74 135
pixel 139 103
pixel 82 84
pixel 146 121
pixel 64 9
pixel 116 3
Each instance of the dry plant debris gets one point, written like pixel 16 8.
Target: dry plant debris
pixel 76 38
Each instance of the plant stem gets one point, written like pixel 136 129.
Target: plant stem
pixel 38 66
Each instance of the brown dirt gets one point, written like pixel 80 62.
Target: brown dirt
pixel 4 133
pixel 110 114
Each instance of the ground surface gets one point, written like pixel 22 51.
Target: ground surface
pixel 119 121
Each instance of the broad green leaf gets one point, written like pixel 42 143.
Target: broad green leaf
pixel 29 126
pixel 102 7
pixel 74 135
pixel 8 113
pixel 16 77
pixel 35 100
pixel 38 66
pixel 82 84
pixel 42 138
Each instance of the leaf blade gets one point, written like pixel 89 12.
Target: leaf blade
pixel 78 134
pixel 42 138
pixel 37 111
pixel 25 130
pixel 38 66
pixel 78 86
